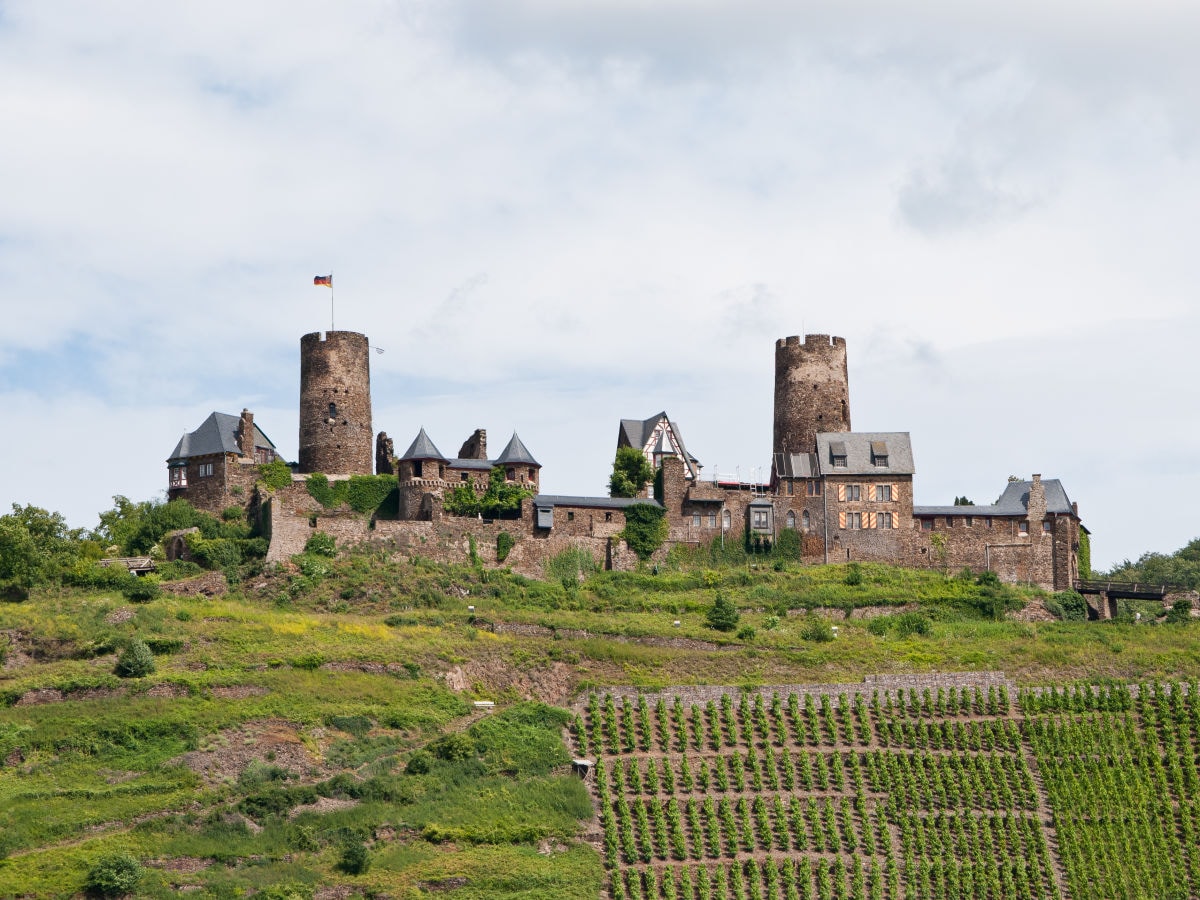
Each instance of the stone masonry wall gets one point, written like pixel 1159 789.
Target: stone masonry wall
pixel 335 404
pixel 812 391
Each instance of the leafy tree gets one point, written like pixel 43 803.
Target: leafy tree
pixel 963 501
pixel 135 661
pixel 356 858
pixel 631 471
pixel 501 500
pixel 37 547
pixel 1181 567
pixel 722 615
pixel 113 875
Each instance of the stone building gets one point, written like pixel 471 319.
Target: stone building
pixel 216 466
pixel 846 495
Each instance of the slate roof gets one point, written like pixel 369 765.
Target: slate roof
pixel 591 502
pixel 796 465
pixel 637 432
pixel 216 434
pixel 422 448
pixel 480 465
pixel 515 452
pixel 1013 502
pixel 856 446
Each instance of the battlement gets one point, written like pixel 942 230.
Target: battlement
pixel 811 341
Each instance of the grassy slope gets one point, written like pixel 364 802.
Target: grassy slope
pixel 247 682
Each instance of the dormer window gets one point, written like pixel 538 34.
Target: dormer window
pixel 837 454
pixel 879 454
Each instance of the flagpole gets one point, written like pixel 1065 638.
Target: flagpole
pixel 331 327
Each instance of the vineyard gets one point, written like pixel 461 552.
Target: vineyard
pixel 955 792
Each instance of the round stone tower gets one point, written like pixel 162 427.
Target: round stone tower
pixel 812 391
pixel 335 403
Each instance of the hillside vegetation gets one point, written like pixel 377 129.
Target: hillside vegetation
pixel 312 732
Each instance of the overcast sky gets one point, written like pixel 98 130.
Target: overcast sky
pixel 553 215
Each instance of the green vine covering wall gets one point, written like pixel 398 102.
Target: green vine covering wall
pixel 1085 554
pixel 362 493
pixel 501 500
pixel 276 474
pixel 645 528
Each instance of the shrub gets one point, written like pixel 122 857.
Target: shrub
pixel 135 661
pixel 321 544
pixel 722 615
pixel 854 574
pixel 356 859
pixel 746 633
pixel 419 763
pixel 232 513
pixel 1068 606
pixel 453 747
pixel 504 543
pixel 1180 612
pixel 816 629
pixel 910 623
pixel 141 590
pixel 113 875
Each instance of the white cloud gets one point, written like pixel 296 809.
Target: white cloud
pixel 555 215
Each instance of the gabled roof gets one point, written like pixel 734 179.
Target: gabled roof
pixel 515 452
pixel 862 450
pixel 639 432
pixel 422 448
pixel 216 434
pixel 1013 502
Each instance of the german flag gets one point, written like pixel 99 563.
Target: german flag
pixel 323 281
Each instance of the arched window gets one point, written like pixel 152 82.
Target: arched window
pixel 726 520
pixel 791 519
pixel 805 521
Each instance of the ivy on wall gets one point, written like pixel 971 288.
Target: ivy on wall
pixel 645 528
pixel 362 493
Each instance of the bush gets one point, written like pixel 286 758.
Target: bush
pixel 746 633
pixel 356 859
pixel 453 747
pixel 854 576
pixel 910 623
pixel 113 875
pixel 232 513
pixel 321 544
pixel 722 615
pixel 1068 606
pixel 1180 612
pixel 141 590
pixel 275 475
pixel 816 629
pixel 504 543
pixel 135 661
pixel 419 763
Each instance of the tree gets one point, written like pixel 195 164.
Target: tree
pixel 963 501
pixel 722 615
pixel 631 471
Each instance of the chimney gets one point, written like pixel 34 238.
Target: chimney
pixel 246 434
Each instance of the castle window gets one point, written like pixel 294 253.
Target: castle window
pixel 883 493
pixel 1023 527
pixel 814 488
pixel 949 522
pixel 853 492
pixel 879 453
pixel 791 519
pixel 726 519
pixel 927 524
pixel 883 520
pixel 854 521
pixel 695 520
pixel 969 521
pixel 711 520
pixel 987 522
pixel 759 520
pixel 805 520
pixel 789 487
pixel 511 474
pixel 608 517
pixel 463 476
pixel 1047 526
pixel 570 515
pixel 204 470
pixel 416 468
pixel 333 410
pixel 837 454
pixel 532 473
pixel 178 476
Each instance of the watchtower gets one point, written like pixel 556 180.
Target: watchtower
pixel 812 391
pixel 335 403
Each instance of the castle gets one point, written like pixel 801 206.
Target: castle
pixel 847 495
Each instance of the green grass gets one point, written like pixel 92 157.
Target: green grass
pixel 350 666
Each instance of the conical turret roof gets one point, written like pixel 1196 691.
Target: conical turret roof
pixel 423 448
pixel 515 452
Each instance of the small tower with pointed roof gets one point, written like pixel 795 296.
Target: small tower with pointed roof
pixel 421 473
pixel 518 463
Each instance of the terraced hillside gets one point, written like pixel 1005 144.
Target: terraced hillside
pixel 944 788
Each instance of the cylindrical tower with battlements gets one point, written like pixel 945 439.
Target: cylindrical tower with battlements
pixel 335 403
pixel 812 391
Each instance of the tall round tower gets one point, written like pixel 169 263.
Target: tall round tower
pixel 335 403
pixel 812 391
